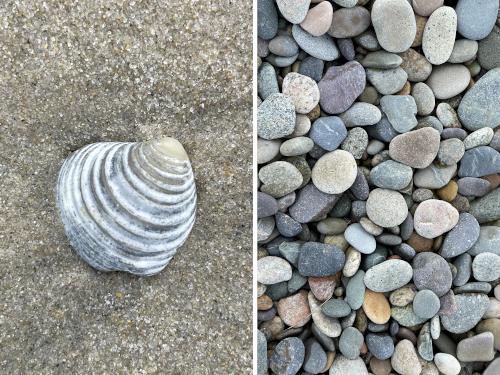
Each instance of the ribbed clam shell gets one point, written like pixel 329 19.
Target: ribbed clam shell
pixel 127 206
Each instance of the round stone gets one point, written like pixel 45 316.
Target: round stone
pixel 336 308
pixel 431 271
pixel 376 308
pixel 434 217
pixel 464 50
pixel 387 81
pixel 267 150
pixel 358 238
pixel 391 175
pixel 426 304
pixel 322 47
pixel 318 19
pixel 450 151
pixel 287 357
pixel 334 172
pixel 283 45
pixel 380 346
pixel 279 178
pixel 350 342
pixel 486 267
pixel 388 275
pixel 417 148
pixel 361 114
pixel 424 98
pixel 476 18
pixel 345 366
pixel 356 142
pixel 381 60
pixel 447 364
pixel 394 24
pixel 426 7
pixel 303 90
pixel 448 80
pixel 276 117
pixel 386 208
pixel 349 22
pixel 405 360
pixel 328 132
pixel 480 137
pixel 294 310
pixel 296 146
pixel 273 270
pixel 439 35
pixel 293 11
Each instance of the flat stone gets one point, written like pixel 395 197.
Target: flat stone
pixel 470 309
pixel 287 357
pixel 476 18
pixel 279 178
pixel 315 357
pixel 488 241
pixel 479 106
pixel 486 267
pixel 479 161
pixel 447 364
pixel 318 19
pixel 381 60
pixel 355 290
pixel 417 148
pixel 387 81
pixel 283 45
pixel 426 304
pixel 266 205
pixel 426 7
pixel 293 11
pixel 322 47
pixel 281 61
pixel 389 275
pixel 431 271
pixel 317 259
pixel 405 360
pixel 311 204
pixel 350 342
pixel 448 133
pixel 394 24
pixel 424 98
pixel 434 176
pixel 464 50
pixel 386 208
pixel 415 65
pixel 334 172
pixel 487 50
pixel 360 239
pixel 328 132
pixel 376 308
pixel 275 117
pixel 448 80
pixel 463 264
pixel 361 114
pixel 439 35
pixel 294 310
pixel 344 366
pixel 450 151
pixel 273 270
pixel 380 346
pixel 487 208
pixel 400 111
pixel 340 86
pixel 267 25
pixel 478 348
pixel 296 146
pixel 349 22
pixel 462 237
pixel 391 175
pixel 336 308
pixel 328 326
pixel 261 353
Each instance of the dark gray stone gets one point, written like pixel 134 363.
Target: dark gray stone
pixel 383 130
pixel 336 308
pixel 360 188
pixel 346 47
pixel 267 16
pixel 454 133
pixel 325 341
pixel 287 357
pixel 318 259
pixel 267 82
pixel 290 251
pixel 431 271
pixel 463 264
pixel 312 67
pixel 312 204
pixel 287 226
pixel 315 357
pixel 462 237
pixel 328 132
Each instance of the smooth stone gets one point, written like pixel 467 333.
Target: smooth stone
pixel 486 267
pixel 431 271
pixel 332 225
pixel 391 175
pixel 374 147
pixel 346 47
pixel 462 237
pixel 479 106
pixel 450 151
pixel 448 80
pixel 303 90
pixel 311 204
pixel 293 11
pixel 315 357
pixel 318 19
pixel 405 251
pixel 445 344
pixel 317 259
pixel 287 226
pixel 476 18
pixel 479 161
pixel 336 308
pixel 400 111
pixel 439 35
pixel 296 282
pixel 474 287
pixel 374 258
pixel 328 326
pixel 386 208
pixel 290 251
pixel 294 310
pixel 281 61
pixel 322 47
pixel 349 22
pixel 361 114
pixel 406 317
pixel 493 326
pixel 275 117
pixel 387 81
pixel 382 131
pixel 273 270
pixel 296 146
pixel 340 86
pixel 328 132
pixel 350 342
pixel 287 357
pixel 312 67
pixel 470 309
pixel 480 137
pixel 283 45
pixel 434 176
pixel 355 290
pixel 405 360
pixel 352 262
pixel 346 3
pixel 360 239
pixel 266 205
pixel 267 82
pixel 360 188
pixel 415 65
pixel 356 142
pixel 493 368
pixel 322 287
pixel 334 172
pixel 345 366
pixel 449 133
pixel 424 98
pixel 488 50
pixel 463 264
pixel 381 60
pixel 406 228
pixel 430 122
pixel 261 353
pixel 394 24
pixel 487 208
pixel 380 346
pixel 488 241
pixel 447 115
pixel 279 178
pixel 426 7
pixel 417 148
pixel 464 50
pixel 426 304
pixel 376 307
pixel 435 327
pixel 389 275
pixel 267 16
pixel 478 348
pixel 473 186
pixel 326 342
pixel 368 40
pixel 447 364
pixel 424 342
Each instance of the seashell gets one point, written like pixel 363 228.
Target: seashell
pixel 127 206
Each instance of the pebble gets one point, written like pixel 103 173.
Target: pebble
pixel 334 172
pixel 426 304
pixel 350 342
pixel 389 275
pixel 415 65
pixel 439 35
pixel 344 366
pixel 447 115
pixel 336 308
pixel 417 148
pixel 267 25
pixel 478 348
pixel 480 137
pixel 486 208
pixel 386 208
pixel 406 317
pixel 346 3
pixel 448 192
pixel 273 270
pixel 447 364
pixel 356 142
pixel 303 90
pixel 493 326
pixel 349 22
pixel 352 262
pixel 294 310
pixel 340 86
pixel 394 24
pixel 266 205
pixel 470 308
pixel 322 47
pixel 426 7
pixel 431 271
pixel 463 264
pixel 474 287
pixel 448 80
pixel 328 132
pixel 424 98
pixel 400 111
pixel 318 19
pixel 281 61
pixel 479 106
pixel 279 178
pixel 296 146
pixel 287 357
pixel 315 357
pixel 283 45
pixel 328 326
pixel 488 242
pixel 374 147
pixel 424 343
pixel 312 67
pixel 434 176
pixel 311 204
pixel 302 126
pixel 376 308
pixel 380 346
pixel 382 131
pixel 434 217
pixel 360 188
pixel 293 11
pixel 487 50
pixel 267 83
pixel 450 151
pixel 332 225
pixel 318 259
pixel 360 239
pixel 479 161
pixel 387 81
pixel 381 60
pixel 361 114
pixel 322 287
pixel 275 117
pixel 486 267
pixel 449 133
pixel 261 353
pixel 476 18
pixel 462 237
pixel 464 50
pixel 405 360
pixel 493 368
pixel 355 290
pixel 391 175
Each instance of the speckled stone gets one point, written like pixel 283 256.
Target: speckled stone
pixel 344 366
pixel 296 146
pixel 334 172
pixel 431 271
pixel 328 132
pixel 350 342
pixel 448 80
pixel 294 310
pixel 317 259
pixel 336 308
pixel 462 237
pixel 380 346
pixel 487 56
pixel 464 50
pixel 405 316
pixel 386 208
pixel 382 131
pixel 293 11
pixel 349 22
pixel 487 208
pixel 387 81
pixel 283 45
pixel 481 137
pixel 279 178
pixel 312 67
pixel 303 90
pixel 267 82
pixel 261 353
pixel 405 360
pixel 361 114
pixel 417 148
pixel 311 204
pixel 439 35
pixel 322 47
pixel 450 151
pixel 415 65
pixel 424 98
pixel 275 117
pixel 391 175
pixel 389 275
pixel 360 188
pixel 287 356
pixel 356 142
pixel 315 357
pixel 323 287
pixel 267 25
pixel 400 111
pixel 447 364
pixel 426 304
pixel 476 18
pixel 266 205
pixel 470 309
pixel 434 176
pixel 479 161
pixel 486 267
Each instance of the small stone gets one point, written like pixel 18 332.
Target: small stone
pixel 424 343
pixel 332 225
pixel 405 360
pixel 328 132
pixel 281 61
pixel 434 176
pixel 387 81
pixel 382 131
pixel 336 308
pixel 447 364
pixel 400 111
pixel 450 151
pixel 415 65
pixel 391 175
pixel 424 98
pixel 273 270
pixel 426 304
pixel 380 346
pixel 315 357
pixel 312 67
pixel 463 264
pixel 279 178
pixel 346 47
pixel 355 290
pixel 318 19
pixel 361 114
pixel 487 208
pixel 352 262
pixel 434 217
pixel 470 309
pixel 486 267
pixel 294 310
pixel 328 326
pixel 323 287
pixel 322 47
pixel 488 241
pixel 360 239
pixel 476 18
pixel 334 172
pixel 406 317
pixel 267 26
pixel 360 188
pixel 266 205
pixel 441 78
pixel 317 259
pixel 349 22
pixel 381 60
pixel 426 7
pixel 420 21
pixel 462 237
pixel 439 35
pixel 376 308
pixel 261 353
pixel 487 50
pixel 478 348
pixel 389 275
pixel 448 117
pixel 344 366
pixel 267 82
pixel 283 45
pixel 403 296
pixel 303 90
pixel 267 150
pixel 356 142
pixel 448 192
pixel 386 208
pixel 416 149
pixel 275 117
pixel 296 146
pixel 479 161
pixel 293 11
pixel 287 357
pixel 350 342
pixel 431 271
pixel 480 137
pixel 464 50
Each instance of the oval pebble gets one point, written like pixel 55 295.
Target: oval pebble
pixel 424 98
pixel 296 146
pixel 350 342
pixel 476 18
pixel 448 80
pixel 318 19
pixel 434 217
pixel 276 117
pixel 426 304
pixel 431 271
pixel 334 172
pixel 361 114
pixel 447 364
pixel 273 270
pixel 322 47
pixel 349 22
pixel 293 11
pixel 279 178
pixel 358 238
pixel 287 356
pixel 376 307
pixel 303 90
pixel 405 360
pixel 391 175
pixel 417 148
pixel 388 276
pixel 386 208
pixel 439 35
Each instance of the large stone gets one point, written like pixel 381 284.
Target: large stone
pixel 417 148
pixel 439 35
pixel 273 270
pixel 389 275
pixel 434 217
pixel 479 161
pixel 470 309
pixel 391 175
pixel 478 348
pixel 486 208
pixel 303 90
pixel 431 271
pixel 279 178
pixel 448 80
pixel 487 50
pixel 287 357
pixel 476 18
pixel 405 360
pixel 488 241
pixel 462 237
pixel 276 117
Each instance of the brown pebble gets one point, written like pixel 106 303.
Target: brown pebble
pixel 315 113
pixel 330 357
pixel 380 367
pixel 420 243
pixel 364 349
pixel 461 203
pixel 405 333
pixel 420 21
pixel 323 287
pixel 438 241
pixel 273 327
pixel 376 307
pixel 264 302
pixel 448 192
pixel 405 90
pixel 494 180
pixel 294 310
pixel 361 321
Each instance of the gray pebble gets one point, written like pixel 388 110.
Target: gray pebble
pixel 388 275
pixel 454 133
pixel 380 346
pixel 312 67
pixel 355 290
pixel 400 111
pixel 267 82
pixel 355 142
pixel 405 251
pixel 389 239
pixel 431 271
pixel 426 304
pixel 287 226
pixel 486 267
pixel 275 117
pixel 322 47
pixel 434 176
pixel 346 48
pixel 391 175
pixel 450 151
pixel 361 114
pixel 474 287
pixel 328 132
pixel 281 61
pixel 462 237
pixel 381 60
pixel 296 146
pixel 387 81
pixel 261 353
pixel 267 25
pixel 358 238
pixel 287 357
pixel 470 309
pixel 463 264
pixel 266 205
pixel 273 270
pixel 480 161
pixel 318 259
pixel 360 188
pixel 487 208
pixel 336 308
pixel 290 251
pixel 350 342
pixel 382 131
pixel 279 178
pixel 476 18
pixel 315 357
pixel 424 98
pixel 283 45
pixel 487 51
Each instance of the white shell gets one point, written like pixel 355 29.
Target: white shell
pixel 127 206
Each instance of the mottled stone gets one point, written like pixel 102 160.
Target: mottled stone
pixel 275 117
pixel 479 161
pixel 386 208
pixel 417 148
pixel 487 208
pixel 349 22
pixel 387 81
pixel 294 310
pixel 470 309
pixel 415 65
pixel 334 172
pixel 317 259
pixel 400 111
pixel 279 178
pixel 405 360
pixel 287 357
pixel 439 35
pixel 450 151
pixel 389 275
pixel 462 237
pixel 431 271
pixel 434 176
pixel 391 175
pixel 311 204
pixel 486 267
